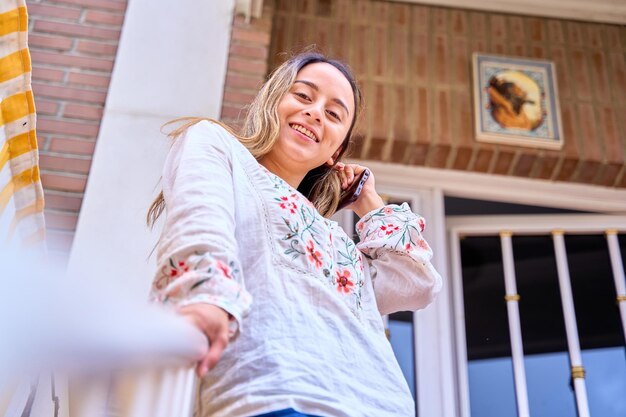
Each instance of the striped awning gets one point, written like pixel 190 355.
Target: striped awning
pixel 21 193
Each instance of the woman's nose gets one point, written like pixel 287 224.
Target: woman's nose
pixel 314 112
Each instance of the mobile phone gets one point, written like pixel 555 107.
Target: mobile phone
pixel 350 195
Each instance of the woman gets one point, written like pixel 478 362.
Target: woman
pixel 247 219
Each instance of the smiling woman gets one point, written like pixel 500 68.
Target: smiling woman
pixel 247 219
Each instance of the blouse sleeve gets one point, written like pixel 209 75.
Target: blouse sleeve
pixel 399 259
pixel 197 254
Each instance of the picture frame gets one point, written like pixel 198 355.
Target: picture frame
pixel 516 101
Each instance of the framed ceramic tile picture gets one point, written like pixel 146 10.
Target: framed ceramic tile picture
pixel 516 102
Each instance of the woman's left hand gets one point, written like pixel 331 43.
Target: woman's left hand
pixel 369 199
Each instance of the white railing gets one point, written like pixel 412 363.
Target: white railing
pixel 556 226
pixel 111 356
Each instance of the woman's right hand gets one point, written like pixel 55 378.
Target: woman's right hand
pixel 213 322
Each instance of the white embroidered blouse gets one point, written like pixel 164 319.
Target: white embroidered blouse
pixel 306 302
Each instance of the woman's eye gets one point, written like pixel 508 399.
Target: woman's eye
pixel 334 115
pixel 302 96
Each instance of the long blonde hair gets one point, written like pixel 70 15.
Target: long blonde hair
pixel 322 185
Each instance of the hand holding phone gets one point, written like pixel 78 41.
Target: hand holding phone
pixel 353 192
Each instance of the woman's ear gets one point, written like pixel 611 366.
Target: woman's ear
pixel 331 160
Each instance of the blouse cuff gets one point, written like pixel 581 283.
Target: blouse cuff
pixel 393 227
pixel 203 279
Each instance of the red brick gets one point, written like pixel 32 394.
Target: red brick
pixel 399 152
pixel 589 133
pixel 401 125
pixel 64 182
pixel 442 117
pixel 567 169
pixel 68 93
pixel 254 67
pixel 47 74
pixel 46 107
pixel 97 4
pixel 555 31
pixel 562 74
pixel 242 81
pixel 93 80
pixel 478 23
pixel 378 53
pixel 613 145
pixel 601 89
pixel 78 111
pixel 36 10
pixel 459 22
pixel 462 158
pixel 377 146
pixel 361 51
pixel 67 128
pixel 423 110
pixel 59 240
pixel 49 58
pixel 608 175
pixel 617 71
pixel 399 51
pixel 238 97
pixel 233 112
pixel 498 27
pixel 72 146
pixel 440 20
pixel 525 163
pixel 96 48
pixel 62 201
pixel 419 18
pixel 575 33
pixel 587 172
pixel 49 42
pixel 483 158
pixel 438 157
pixel 440 60
pixel 419 57
pixel 105 18
pixel 462 123
pixel 64 163
pixel 595 36
pixel 461 61
pixel 516 28
pixel 503 162
pixel 76 30
pixel 419 154
pixel 582 83
pixel 248 51
pixel 536 29
pixel 60 220
pixel 518 49
pixel 250 35
pixel 612 36
pixel 379 110
pixel 546 165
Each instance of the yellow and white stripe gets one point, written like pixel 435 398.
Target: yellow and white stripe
pixel 21 193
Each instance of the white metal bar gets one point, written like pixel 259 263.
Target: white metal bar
pixel 19 398
pixel 617 264
pixel 459 314
pixel 179 389
pixel 185 408
pixel 569 315
pixel 165 401
pixel 515 329
pixel 143 396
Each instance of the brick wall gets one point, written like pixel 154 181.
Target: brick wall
pixel 413 63
pixel 73 45
pixel 247 64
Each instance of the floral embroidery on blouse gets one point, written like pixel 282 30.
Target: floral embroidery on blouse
pixel 394 227
pixel 328 253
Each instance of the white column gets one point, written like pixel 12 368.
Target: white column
pixel 515 330
pixel 171 62
pixel 617 265
pixel 569 314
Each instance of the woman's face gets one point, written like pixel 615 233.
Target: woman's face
pixel 315 115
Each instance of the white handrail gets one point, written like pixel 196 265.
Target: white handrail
pixel 617 265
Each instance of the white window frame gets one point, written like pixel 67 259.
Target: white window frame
pixel 440 391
